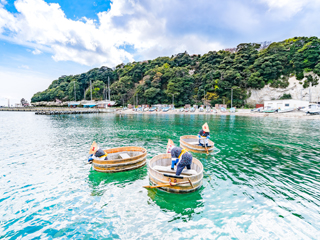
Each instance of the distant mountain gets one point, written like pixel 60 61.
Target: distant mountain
pixel 191 78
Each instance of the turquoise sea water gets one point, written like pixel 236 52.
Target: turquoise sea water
pixel 263 182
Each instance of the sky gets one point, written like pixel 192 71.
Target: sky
pixel 42 40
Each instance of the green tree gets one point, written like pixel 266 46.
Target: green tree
pixel 73 88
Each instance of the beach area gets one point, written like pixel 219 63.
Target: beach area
pixel 239 112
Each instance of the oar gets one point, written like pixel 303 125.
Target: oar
pixel 166 185
pixel 205 146
pixel 160 185
pixel 190 182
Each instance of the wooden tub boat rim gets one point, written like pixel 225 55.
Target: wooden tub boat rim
pixel 122 161
pixel 122 170
pixel 180 185
pixel 105 163
pixel 193 137
pixel 126 149
pixel 198 173
pixel 158 177
pixel 195 147
pixel 132 148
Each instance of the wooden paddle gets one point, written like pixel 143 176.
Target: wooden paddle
pixel 205 146
pixel 166 185
pixel 190 182
pixel 160 185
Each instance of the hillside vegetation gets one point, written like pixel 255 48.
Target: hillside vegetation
pixel 193 78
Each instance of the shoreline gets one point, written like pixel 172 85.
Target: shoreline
pixel 240 112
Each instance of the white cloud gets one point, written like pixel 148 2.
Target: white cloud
pixel 24 67
pixel 154 28
pixel 89 43
pixel 284 9
pixel 36 52
pixel 3 2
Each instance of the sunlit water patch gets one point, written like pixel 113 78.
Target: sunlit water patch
pixel 262 181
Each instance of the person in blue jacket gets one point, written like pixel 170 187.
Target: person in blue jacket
pixel 98 155
pixel 181 157
pixel 204 136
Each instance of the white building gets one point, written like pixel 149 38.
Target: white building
pixel 287 103
pixel 105 104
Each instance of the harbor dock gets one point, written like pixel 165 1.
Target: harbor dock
pixel 57 111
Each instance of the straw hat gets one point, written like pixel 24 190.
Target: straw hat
pixel 94 147
pixel 205 127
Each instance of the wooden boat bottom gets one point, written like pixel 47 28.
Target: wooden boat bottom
pixel 196 150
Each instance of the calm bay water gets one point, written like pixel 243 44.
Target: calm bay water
pixel 263 182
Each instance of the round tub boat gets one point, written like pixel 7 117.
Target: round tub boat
pixel 121 159
pixel 191 143
pixel 160 173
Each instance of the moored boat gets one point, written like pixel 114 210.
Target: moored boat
pixel 121 159
pixel 283 110
pixel 161 175
pixel 270 110
pixel 191 143
pixel 312 109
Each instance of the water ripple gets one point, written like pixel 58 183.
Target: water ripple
pixel 262 181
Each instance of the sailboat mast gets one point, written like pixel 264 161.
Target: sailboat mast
pixel 109 88
pixel 91 90
pixel 105 93
pixel 74 89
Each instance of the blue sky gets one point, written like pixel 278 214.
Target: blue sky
pixel 42 40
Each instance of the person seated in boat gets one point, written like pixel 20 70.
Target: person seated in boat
pixel 181 157
pixel 98 155
pixel 204 136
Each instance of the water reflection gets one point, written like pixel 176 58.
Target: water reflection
pixel 263 183
pixel 99 181
pixel 184 205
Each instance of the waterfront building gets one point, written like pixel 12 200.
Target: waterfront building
pixel 286 103
pixel 88 104
pixel 73 104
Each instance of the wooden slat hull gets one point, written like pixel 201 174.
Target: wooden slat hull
pixel 192 147
pixel 157 178
pixel 121 165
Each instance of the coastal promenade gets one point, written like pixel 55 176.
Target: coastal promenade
pixel 239 112
pixel 57 110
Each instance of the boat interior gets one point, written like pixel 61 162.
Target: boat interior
pixel 193 141
pixel 164 166
pixel 123 155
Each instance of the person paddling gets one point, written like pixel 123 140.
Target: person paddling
pixel 96 153
pixel 204 135
pixel 181 157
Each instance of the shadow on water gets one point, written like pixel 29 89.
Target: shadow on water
pixel 98 181
pixel 185 205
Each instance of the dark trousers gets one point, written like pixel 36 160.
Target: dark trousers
pixel 180 167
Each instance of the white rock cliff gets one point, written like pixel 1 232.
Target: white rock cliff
pixel 295 89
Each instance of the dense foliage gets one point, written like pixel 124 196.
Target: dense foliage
pixel 191 79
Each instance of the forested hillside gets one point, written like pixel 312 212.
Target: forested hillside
pixel 191 78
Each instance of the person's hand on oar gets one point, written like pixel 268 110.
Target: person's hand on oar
pixel 205 144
